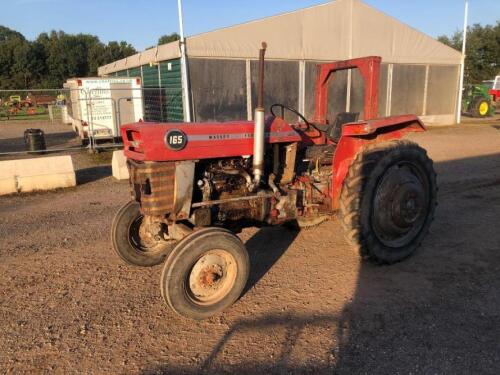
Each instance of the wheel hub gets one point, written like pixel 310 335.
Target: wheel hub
pixel 212 277
pixel 407 205
pixel 399 206
pixel 483 109
pixel 148 234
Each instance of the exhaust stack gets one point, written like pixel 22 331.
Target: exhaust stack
pixel 259 118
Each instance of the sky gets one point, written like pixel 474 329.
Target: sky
pixel 141 22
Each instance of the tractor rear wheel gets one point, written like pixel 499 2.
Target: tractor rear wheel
pixel 481 107
pixel 205 273
pixel 127 241
pixel 388 200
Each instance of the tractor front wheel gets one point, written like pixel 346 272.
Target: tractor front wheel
pixel 205 273
pixel 134 248
pixel 388 200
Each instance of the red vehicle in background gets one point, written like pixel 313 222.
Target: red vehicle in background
pixel 40 100
pixel 494 90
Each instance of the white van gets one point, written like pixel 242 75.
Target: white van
pixel 98 106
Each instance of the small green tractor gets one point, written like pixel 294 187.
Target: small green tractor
pixel 476 101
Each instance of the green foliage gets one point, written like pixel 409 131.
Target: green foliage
pixel 14 57
pixel 164 39
pixel 482 60
pixel 53 57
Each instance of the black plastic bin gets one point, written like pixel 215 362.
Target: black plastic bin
pixel 34 140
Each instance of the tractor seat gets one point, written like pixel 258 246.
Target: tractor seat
pixel 335 130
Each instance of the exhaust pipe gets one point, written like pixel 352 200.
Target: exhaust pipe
pixel 259 118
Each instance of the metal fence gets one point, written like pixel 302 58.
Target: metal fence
pixel 75 119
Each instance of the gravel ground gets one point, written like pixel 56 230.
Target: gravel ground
pixel 68 305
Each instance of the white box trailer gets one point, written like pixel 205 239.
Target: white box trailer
pixel 98 106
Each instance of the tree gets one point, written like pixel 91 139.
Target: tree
pixel 53 57
pixel 20 66
pixel 164 39
pixel 117 51
pixel 482 53
pixel 6 34
pixel 14 49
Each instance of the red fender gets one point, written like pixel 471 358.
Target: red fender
pixel 357 136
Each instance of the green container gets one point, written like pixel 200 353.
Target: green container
pixel 171 81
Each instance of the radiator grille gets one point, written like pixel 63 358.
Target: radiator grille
pixel 152 184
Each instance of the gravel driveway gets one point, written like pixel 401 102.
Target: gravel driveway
pixel 68 305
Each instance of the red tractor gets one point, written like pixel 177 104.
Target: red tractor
pixel 194 186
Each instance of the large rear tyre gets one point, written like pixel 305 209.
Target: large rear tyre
pixel 127 241
pixel 388 201
pixel 205 273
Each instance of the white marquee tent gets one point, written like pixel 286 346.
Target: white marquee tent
pixel 419 74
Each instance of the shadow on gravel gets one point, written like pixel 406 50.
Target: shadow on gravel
pixel 437 312
pixel 87 175
pixel 265 248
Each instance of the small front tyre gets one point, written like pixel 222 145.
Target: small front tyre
pixel 127 241
pixel 205 273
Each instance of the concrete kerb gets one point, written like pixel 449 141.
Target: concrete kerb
pixel 26 175
pixel 119 165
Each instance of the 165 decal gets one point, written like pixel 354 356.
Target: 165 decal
pixel 175 139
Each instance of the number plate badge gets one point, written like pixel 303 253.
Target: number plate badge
pixel 175 139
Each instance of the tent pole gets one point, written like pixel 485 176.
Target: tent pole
pixel 462 66
pixel 184 70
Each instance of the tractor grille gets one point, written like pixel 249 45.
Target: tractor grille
pixel 152 185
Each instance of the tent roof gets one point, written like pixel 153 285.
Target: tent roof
pixel 336 30
pixel 159 53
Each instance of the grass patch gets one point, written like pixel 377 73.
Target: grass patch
pixel 25 117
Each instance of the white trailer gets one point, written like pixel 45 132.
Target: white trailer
pixel 99 106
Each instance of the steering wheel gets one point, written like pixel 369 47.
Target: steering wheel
pixel 283 107
pixel 300 115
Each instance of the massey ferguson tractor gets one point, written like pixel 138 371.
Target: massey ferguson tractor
pixel 194 185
